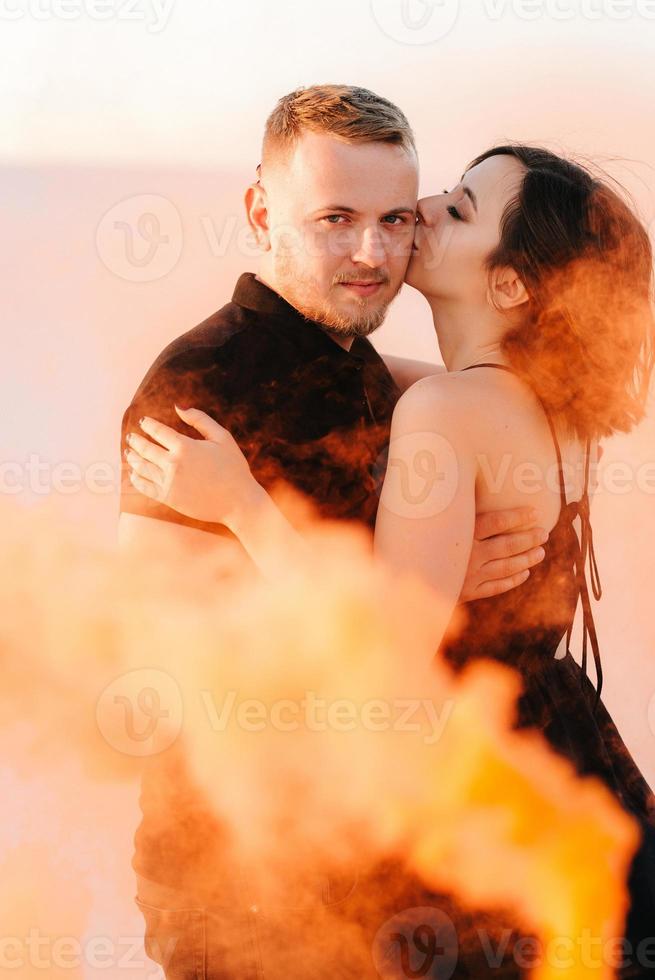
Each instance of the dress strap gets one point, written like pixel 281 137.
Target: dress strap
pixel 585 549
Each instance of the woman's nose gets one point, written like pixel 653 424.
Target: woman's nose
pixel 429 208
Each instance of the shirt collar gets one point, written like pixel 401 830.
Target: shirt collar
pixel 311 336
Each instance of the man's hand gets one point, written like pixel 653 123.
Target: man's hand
pixel 506 545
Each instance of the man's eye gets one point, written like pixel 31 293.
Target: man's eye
pixel 453 212
pixel 333 219
pixel 395 218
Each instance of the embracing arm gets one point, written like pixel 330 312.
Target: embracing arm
pixel 209 480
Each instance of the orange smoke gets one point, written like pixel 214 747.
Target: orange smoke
pixel 317 724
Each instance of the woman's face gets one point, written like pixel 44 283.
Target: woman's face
pixel 457 230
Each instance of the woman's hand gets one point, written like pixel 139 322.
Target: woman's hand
pixel 207 479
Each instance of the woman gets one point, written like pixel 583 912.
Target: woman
pixel 539 279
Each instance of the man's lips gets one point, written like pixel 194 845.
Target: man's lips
pixel 363 288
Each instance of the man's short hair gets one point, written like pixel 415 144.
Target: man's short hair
pixel 347 112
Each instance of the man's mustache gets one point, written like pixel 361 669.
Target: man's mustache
pixel 380 277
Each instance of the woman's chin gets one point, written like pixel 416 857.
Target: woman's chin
pixel 414 274
pixel 418 276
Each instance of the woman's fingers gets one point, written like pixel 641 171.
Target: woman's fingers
pixel 144 486
pixel 205 424
pixel 144 468
pixel 162 433
pixel 148 449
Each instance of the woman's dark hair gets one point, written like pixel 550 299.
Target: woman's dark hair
pixel 587 264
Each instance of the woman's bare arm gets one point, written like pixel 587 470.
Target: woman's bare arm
pixel 426 517
pixel 405 372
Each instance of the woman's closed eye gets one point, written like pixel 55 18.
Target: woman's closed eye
pixel 452 210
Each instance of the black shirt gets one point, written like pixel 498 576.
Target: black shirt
pixel 301 407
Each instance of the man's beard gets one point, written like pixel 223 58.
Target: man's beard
pixel 357 325
pixel 297 288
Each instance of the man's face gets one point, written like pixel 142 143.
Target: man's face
pixel 341 222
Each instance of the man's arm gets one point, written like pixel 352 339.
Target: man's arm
pixel 405 372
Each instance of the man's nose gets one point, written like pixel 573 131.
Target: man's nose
pixel 370 248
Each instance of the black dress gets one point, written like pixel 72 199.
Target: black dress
pixel 523 629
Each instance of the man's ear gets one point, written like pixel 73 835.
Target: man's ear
pixel 506 289
pixel 257 213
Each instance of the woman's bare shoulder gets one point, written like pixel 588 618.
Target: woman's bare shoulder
pixel 475 410
pixel 407 371
pixel 440 403
pixel 454 392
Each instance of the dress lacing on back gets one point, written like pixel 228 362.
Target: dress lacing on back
pixel 524 629
pixel 585 545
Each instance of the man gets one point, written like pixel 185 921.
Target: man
pixel 288 368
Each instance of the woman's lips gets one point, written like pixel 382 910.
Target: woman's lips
pixel 363 288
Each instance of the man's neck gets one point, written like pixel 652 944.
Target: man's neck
pixel 345 342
